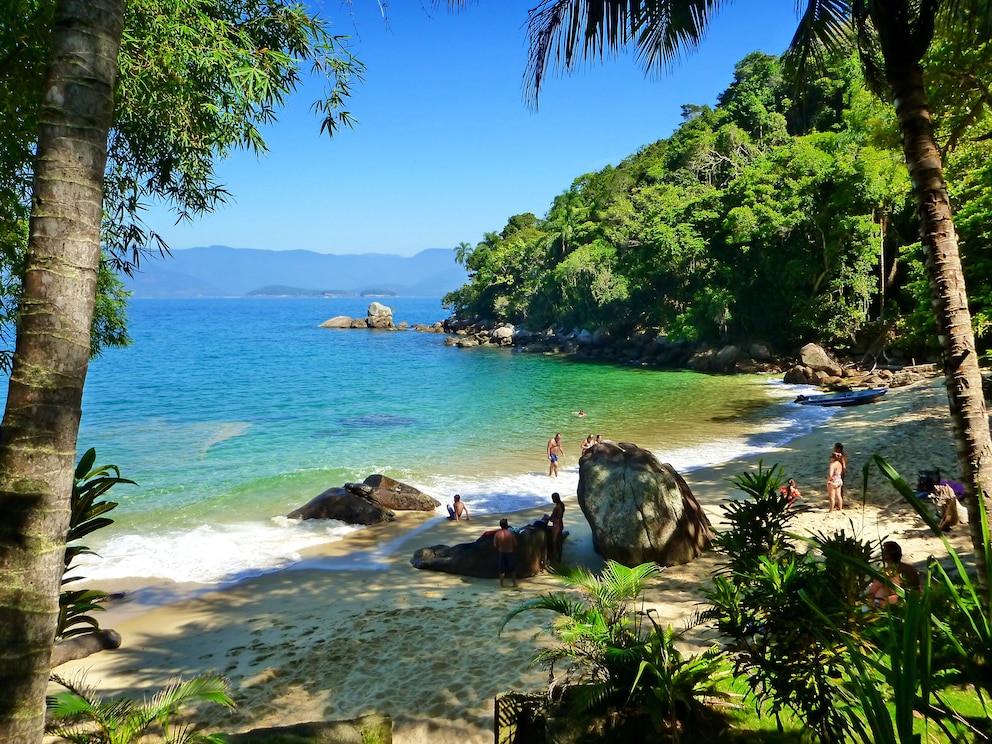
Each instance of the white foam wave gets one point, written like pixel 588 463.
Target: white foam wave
pixel 210 554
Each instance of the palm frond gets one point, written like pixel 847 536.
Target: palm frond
pixel 563 33
pixel 824 30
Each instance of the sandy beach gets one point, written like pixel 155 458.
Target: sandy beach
pixel 333 639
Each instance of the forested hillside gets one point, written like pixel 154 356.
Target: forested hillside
pixel 773 216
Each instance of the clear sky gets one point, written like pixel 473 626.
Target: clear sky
pixel 445 148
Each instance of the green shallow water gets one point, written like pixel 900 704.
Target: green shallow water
pixel 230 413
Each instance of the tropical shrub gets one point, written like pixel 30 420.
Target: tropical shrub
pixel 78 715
pixel 89 484
pixel 759 600
pixel 617 667
pixel 962 620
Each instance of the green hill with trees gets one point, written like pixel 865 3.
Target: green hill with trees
pixel 773 215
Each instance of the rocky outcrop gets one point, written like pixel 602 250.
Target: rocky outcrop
pixel 645 347
pixel 394 495
pixel 370 502
pixel 478 558
pixel 639 509
pixel 378 316
pixel 338 321
pixel 345 505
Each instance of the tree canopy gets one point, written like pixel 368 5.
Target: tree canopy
pixel 777 214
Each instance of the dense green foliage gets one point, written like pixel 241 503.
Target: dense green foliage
pixel 769 216
pixel 622 675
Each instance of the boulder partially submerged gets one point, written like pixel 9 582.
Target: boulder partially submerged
pixel 377 316
pixel 639 510
pixel 371 502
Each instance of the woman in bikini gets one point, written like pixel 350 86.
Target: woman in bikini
pixel 835 482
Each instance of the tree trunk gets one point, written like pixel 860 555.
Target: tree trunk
pixel 949 298
pixel 41 420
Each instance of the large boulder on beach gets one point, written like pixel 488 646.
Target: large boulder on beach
pixel 479 558
pixel 640 510
pixel 344 505
pixel 392 494
pixel 817 359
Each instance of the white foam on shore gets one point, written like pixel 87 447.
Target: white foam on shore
pixel 223 553
pixel 210 554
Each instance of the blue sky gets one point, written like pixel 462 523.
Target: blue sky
pixel 445 148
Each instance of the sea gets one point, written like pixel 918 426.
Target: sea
pixel 230 413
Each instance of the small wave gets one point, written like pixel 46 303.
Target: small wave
pixel 210 554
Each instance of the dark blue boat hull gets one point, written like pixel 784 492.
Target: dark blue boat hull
pixel 851 398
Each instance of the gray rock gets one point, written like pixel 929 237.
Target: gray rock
pixel 760 351
pixel 379 316
pixel 816 358
pixel 344 505
pixel 503 335
pixel 479 558
pixel 338 321
pixel 398 496
pixel 799 375
pixel 639 509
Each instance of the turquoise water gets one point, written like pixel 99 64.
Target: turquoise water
pixel 229 413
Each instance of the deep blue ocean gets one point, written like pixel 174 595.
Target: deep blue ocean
pixel 229 413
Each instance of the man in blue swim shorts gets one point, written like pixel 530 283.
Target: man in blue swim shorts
pixel 506 542
pixel 555 451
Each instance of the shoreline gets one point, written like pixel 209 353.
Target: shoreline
pixel 354 628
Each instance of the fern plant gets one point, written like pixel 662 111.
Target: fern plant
pixel 616 664
pixel 78 714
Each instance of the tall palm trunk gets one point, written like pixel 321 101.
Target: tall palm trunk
pixel 41 421
pixel 950 301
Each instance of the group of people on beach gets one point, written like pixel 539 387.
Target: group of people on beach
pixel 836 472
pixel 505 538
pixel 898 573
pixel 556 451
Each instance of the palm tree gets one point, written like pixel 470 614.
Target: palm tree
pixel 43 409
pixel 892 38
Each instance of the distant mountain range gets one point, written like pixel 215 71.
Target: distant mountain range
pixel 219 271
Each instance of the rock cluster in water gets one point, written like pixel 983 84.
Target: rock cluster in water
pixel 378 316
pixel 814 365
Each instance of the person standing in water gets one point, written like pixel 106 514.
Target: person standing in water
pixel 555 451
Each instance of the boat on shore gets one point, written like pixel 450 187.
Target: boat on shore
pixel 848 398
